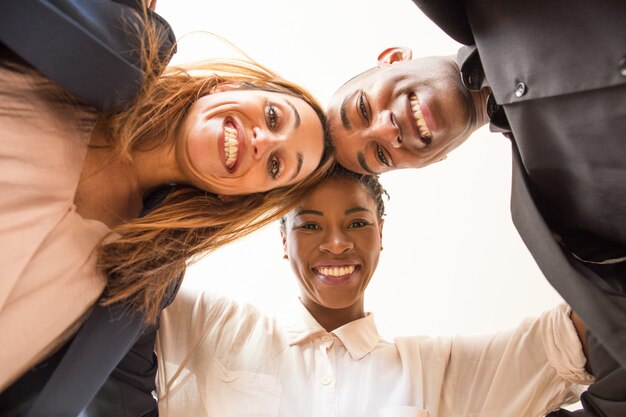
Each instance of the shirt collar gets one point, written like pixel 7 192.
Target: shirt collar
pixel 359 337
pixel 472 73
pixel 473 77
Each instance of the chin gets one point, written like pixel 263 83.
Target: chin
pixel 336 303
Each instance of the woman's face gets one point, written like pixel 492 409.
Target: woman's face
pixel 247 141
pixel 333 242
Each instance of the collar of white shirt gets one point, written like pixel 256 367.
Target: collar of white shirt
pixel 359 337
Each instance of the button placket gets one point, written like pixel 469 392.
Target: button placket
pixel 622 66
pixel 326 378
pixel 325 345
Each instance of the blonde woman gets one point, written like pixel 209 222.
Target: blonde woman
pixel 242 144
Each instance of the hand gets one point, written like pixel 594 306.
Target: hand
pixel 581 328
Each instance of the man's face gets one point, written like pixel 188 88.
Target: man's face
pixel 405 113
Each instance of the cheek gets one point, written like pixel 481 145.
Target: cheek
pixel 297 254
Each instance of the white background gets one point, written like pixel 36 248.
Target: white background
pixel 452 260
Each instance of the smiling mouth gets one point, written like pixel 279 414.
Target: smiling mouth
pixel 335 271
pixel 231 145
pixel 425 134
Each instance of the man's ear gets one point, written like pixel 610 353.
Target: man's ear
pixel 395 54
pixel 381 223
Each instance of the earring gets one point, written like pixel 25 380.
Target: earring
pixel 285 256
pixel 381 248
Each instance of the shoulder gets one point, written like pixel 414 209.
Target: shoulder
pixel 450 16
pixel 198 314
pixel 106 45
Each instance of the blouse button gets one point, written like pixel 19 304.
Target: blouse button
pixel 622 66
pixel 327 380
pixel 520 89
pixel 326 338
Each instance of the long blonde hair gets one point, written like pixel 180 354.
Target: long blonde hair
pixel 152 252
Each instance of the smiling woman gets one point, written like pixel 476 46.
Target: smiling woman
pixel 259 140
pixel 113 204
pixel 323 355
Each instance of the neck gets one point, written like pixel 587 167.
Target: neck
pixel 112 189
pixel 479 101
pixel 154 168
pixel 330 318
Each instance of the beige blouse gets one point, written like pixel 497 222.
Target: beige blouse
pixel 48 280
pixel 219 358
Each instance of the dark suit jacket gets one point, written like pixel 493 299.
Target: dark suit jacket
pixel 86 47
pixel 90 47
pixel 559 70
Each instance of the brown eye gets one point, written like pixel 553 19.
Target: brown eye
pixel 274 167
pixel 380 155
pixel 272 116
pixel 309 226
pixel 357 224
pixel 362 105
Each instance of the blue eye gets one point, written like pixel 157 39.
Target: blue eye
pixel 274 166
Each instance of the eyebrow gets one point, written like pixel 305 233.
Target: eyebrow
pixel 316 212
pixel 356 210
pixel 298 167
pixel 361 158
pixel 296 115
pixel 344 115
pixel 319 213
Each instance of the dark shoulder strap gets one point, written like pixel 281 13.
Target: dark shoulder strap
pixel 100 344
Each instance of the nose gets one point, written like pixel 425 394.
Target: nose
pixel 386 128
pixel 336 242
pixel 262 142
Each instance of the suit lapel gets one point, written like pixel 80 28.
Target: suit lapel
pixel 603 310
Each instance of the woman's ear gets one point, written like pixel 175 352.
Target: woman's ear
pixel 395 54
pixel 381 223
pixel 283 236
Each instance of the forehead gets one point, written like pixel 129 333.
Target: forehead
pixel 365 75
pixel 336 195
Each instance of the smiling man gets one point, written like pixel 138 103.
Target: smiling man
pixel 405 113
pixel 551 76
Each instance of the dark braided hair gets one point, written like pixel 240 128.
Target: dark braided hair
pixel 370 182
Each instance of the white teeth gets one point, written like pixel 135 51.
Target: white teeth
pixel 230 146
pixel 419 118
pixel 336 271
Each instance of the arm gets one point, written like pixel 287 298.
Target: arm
pixel 528 371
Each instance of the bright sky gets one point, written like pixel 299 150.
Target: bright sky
pixel 453 262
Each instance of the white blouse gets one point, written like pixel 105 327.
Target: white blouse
pixel 220 358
